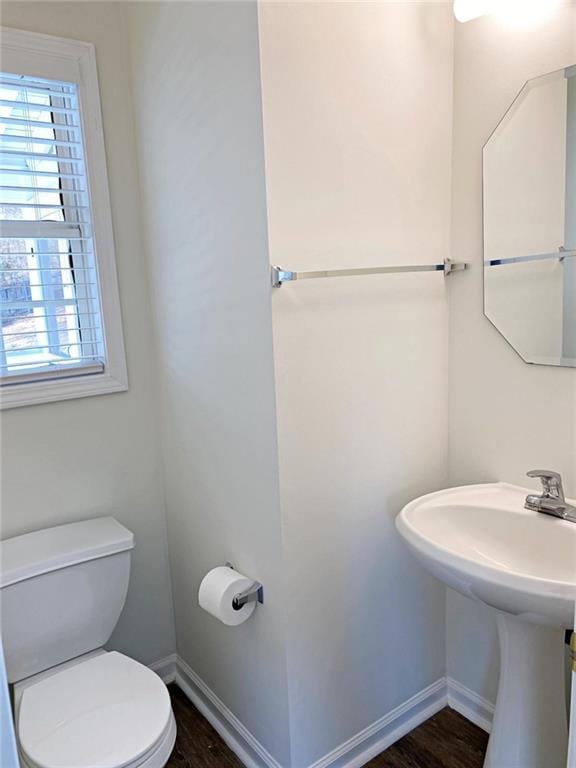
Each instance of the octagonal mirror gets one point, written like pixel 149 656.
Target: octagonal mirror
pixel 529 171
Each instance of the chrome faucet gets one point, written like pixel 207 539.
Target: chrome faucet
pixel 551 501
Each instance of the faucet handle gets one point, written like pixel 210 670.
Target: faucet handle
pixel 551 482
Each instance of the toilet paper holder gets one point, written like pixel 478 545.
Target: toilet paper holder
pixel 252 594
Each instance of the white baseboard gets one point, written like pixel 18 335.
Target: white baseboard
pixel 470 704
pixel 354 752
pixel 232 731
pixel 166 668
pixel 377 737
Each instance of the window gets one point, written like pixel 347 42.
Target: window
pixel 51 321
pixel 60 320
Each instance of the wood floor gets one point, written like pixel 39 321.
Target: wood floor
pixel 447 740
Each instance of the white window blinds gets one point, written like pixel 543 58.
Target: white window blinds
pixel 49 294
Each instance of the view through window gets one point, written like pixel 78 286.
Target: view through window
pixel 50 308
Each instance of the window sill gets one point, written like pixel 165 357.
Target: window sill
pixel 51 391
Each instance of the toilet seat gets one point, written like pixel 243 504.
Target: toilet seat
pixel 108 711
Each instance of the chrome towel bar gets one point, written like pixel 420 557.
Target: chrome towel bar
pixel 281 275
pixel 559 255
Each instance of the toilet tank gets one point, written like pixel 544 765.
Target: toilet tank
pixel 62 592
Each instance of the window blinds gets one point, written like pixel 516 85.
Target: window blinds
pixel 49 294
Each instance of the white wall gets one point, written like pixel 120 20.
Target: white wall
pixel 100 455
pixel 197 98
pixel 506 417
pixel 357 124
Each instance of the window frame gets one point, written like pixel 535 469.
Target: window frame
pixel 55 58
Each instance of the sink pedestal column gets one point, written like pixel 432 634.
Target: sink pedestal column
pixel 530 728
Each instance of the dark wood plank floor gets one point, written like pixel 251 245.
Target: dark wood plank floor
pixel 197 743
pixel 447 740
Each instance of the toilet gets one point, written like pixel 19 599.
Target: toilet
pixel 75 704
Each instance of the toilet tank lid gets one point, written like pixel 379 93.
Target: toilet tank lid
pixel 50 549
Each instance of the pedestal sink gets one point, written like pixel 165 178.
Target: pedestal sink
pixel 481 541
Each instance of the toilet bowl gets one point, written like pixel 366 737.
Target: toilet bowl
pixel 104 710
pixel 75 704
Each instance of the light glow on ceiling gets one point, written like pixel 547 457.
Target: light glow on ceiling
pixel 467 10
pixel 519 13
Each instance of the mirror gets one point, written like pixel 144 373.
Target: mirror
pixel 529 170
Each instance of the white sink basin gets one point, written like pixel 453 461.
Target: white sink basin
pixel 482 542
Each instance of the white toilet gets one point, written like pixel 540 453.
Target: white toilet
pixel 76 705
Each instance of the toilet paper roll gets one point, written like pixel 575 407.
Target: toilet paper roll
pixel 217 591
